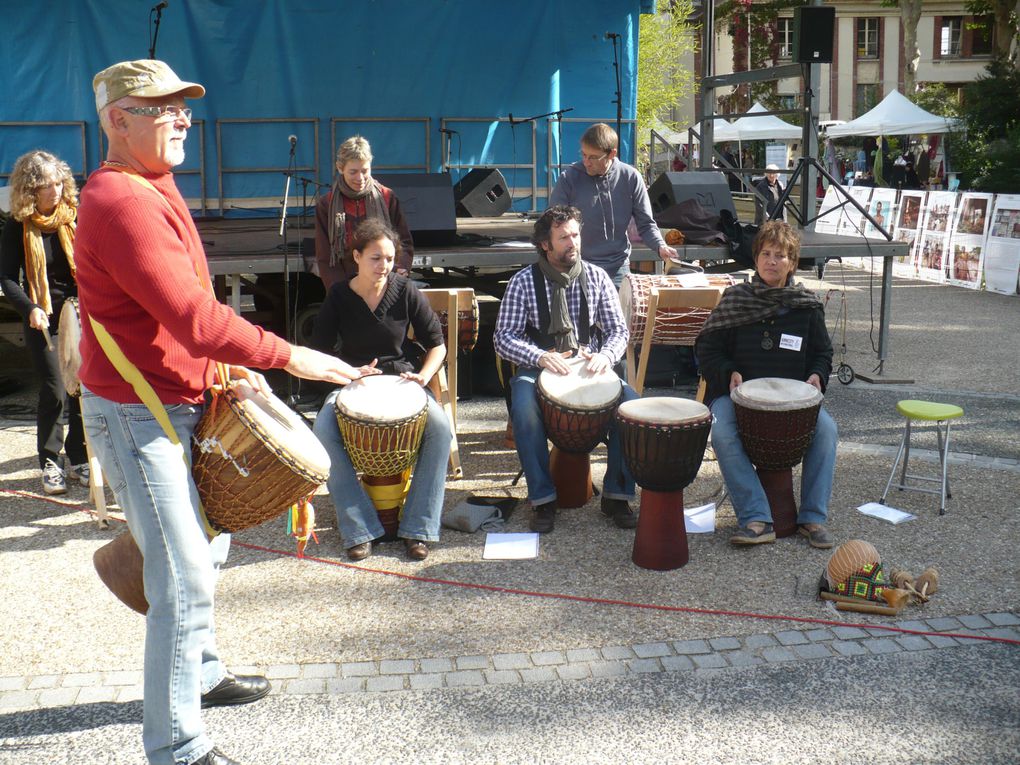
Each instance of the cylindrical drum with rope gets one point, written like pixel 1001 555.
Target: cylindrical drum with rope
pixel 776 419
pixel 577 410
pixel 382 420
pixel 673 326
pixel 663 441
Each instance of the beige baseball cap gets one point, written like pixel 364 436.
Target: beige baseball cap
pixel 145 78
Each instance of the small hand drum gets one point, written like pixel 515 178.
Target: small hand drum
pixel 663 440
pixel 776 420
pixel 577 409
pixel 382 421
pixel 68 339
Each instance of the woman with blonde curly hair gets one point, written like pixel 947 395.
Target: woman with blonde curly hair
pixel 37 276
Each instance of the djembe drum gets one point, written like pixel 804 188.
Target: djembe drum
pixel 663 441
pixel 776 420
pixel 577 410
pixel 68 339
pixel 382 421
pixel 251 458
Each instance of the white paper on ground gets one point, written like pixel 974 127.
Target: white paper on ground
pixel 700 520
pixel 885 513
pixel 510 546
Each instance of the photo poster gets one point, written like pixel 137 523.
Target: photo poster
pixel 851 221
pixel 967 244
pixel 908 222
pixel 933 240
pixel 829 213
pixel 1002 250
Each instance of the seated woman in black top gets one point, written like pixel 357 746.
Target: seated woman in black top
pixel 364 322
pixel 769 328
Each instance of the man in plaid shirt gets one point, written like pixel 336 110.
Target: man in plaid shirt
pixel 558 308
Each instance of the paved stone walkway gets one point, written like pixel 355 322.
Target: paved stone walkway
pixel 720 653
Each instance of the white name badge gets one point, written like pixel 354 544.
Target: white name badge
pixel 790 342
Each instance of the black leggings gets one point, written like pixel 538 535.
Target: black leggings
pixel 52 400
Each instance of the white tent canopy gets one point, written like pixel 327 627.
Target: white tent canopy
pixel 895 115
pixel 769 127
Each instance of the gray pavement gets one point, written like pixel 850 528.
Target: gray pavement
pixel 577 656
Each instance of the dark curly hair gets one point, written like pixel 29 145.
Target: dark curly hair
pixel 556 215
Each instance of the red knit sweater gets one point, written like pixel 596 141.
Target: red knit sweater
pixel 143 275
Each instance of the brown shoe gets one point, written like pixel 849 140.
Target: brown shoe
pixel 416 549
pixel 620 511
pixel 359 552
pixel 543 518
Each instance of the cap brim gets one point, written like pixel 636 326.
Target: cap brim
pixel 186 89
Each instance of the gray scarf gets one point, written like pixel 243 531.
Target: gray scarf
pixel 375 207
pixel 561 328
pixel 752 301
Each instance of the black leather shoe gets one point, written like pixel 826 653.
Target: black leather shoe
pixel 215 757
pixel 620 511
pixel 543 519
pixel 236 689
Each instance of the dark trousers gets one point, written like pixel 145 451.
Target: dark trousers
pixel 52 400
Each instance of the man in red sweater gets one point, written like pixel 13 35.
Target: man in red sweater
pixel 143 276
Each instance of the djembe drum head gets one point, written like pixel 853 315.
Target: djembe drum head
pixel 578 407
pixel 776 420
pixel 663 440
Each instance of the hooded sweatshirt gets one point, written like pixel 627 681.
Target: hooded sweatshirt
pixel 607 203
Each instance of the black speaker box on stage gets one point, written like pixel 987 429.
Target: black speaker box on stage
pixel 482 193
pixel 813 28
pixel 709 188
pixel 426 200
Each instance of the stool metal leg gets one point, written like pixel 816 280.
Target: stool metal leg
pixel 906 455
pixel 896 463
pixel 944 457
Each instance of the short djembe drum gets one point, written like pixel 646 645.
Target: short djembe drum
pixel 663 441
pixel 382 420
pixel 577 410
pixel 776 420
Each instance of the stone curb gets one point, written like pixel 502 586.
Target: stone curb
pixel 476 671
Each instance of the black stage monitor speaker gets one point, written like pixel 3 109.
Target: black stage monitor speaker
pixel 670 189
pixel 426 200
pixel 813 27
pixel 482 193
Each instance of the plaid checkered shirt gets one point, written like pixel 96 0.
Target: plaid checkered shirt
pixel 519 310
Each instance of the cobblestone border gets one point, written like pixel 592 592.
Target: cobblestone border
pixel 780 647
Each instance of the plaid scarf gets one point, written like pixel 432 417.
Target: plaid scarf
pixel 340 229
pixel 35 225
pixel 752 301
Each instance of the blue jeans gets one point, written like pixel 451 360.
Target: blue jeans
pixel 746 493
pixel 533 449
pixel 619 274
pixel 155 489
pixel 355 514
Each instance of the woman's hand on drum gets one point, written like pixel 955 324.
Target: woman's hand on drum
pixel 255 379
pixel 414 377
pixel 37 319
pixel 816 381
pixel 555 362
pixel 597 362
pixel 735 379
pixel 315 365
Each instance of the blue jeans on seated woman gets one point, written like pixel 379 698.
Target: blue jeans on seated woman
pixel 356 516
pixel 746 493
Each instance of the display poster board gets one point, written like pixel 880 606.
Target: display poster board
pixel 967 243
pixel 851 221
pixel 909 213
pixel 933 242
pixel 1002 249
pixel 829 213
pixel 775 154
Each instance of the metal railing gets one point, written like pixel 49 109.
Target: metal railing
pixel 80 124
pixel 530 166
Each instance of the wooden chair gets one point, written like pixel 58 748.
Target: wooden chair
pixel 666 298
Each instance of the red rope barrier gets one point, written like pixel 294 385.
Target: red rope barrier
pixel 563 596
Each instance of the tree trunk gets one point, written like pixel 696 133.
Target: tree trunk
pixel 910 13
pixel 1005 32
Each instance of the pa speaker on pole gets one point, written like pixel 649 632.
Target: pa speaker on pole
pixel 813 27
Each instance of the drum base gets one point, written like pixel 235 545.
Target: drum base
pixel 119 565
pixel 571 474
pixel 388 494
pixel 661 539
pixel 778 486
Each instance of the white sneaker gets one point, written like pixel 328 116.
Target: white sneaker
pixel 53 478
pixel 81 472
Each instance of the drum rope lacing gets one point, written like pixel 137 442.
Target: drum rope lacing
pixel 593 600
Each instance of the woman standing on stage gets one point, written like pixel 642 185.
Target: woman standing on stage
pixel 37 276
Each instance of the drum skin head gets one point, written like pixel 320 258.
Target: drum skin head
pixel 776 394
pixel 664 410
pixel 580 390
pixel 381 398
pixel 282 425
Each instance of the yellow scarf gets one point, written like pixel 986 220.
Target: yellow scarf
pixel 61 220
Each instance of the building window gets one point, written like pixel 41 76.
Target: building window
pixel 867 98
pixel 784 36
pixel 867 38
pixel 789 102
pixel 981 35
pixel 950 34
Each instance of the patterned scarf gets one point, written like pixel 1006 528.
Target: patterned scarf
pixel 561 328
pixel 375 207
pixel 752 301
pixel 60 220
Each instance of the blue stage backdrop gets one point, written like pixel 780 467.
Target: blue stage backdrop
pixel 395 71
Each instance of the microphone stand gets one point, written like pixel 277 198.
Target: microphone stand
pixel 291 167
pixel 558 114
pixel 159 17
pixel 619 87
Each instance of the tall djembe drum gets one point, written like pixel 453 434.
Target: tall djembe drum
pixel 663 441
pixel 776 420
pixel 577 410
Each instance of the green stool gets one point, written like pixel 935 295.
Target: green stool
pixel 929 411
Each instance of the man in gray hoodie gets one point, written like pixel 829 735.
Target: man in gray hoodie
pixel 608 193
